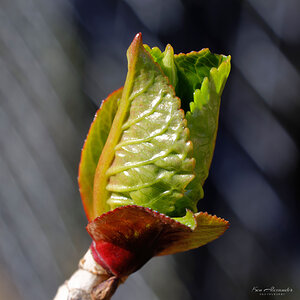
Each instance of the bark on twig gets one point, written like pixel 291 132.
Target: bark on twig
pixel 89 282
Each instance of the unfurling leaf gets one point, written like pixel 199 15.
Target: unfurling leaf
pixel 199 79
pixel 148 158
pixel 92 149
pixel 145 159
pixel 202 78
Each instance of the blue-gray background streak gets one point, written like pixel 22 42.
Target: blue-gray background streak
pixel 58 59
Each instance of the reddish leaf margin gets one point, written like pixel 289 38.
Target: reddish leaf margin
pixel 125 238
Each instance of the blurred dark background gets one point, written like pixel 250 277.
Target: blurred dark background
pixel 59 58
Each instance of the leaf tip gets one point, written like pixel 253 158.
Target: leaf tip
pixel 138 36
pixel 134 47
pixel 208 219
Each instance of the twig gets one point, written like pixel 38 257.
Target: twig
pixel 89 282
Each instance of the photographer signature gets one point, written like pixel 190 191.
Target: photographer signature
pixel 274 291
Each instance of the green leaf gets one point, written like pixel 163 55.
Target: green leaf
pixel 146 160
pixel 207 228
pixel 199 81
pixel 166 62
pixel 192 68
pixel 204 110
pixel 147 157
pixel 188 220
pixel 92 149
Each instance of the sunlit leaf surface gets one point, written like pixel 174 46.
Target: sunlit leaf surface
pixel 147 158
pixel 146 151
pixel 92 149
